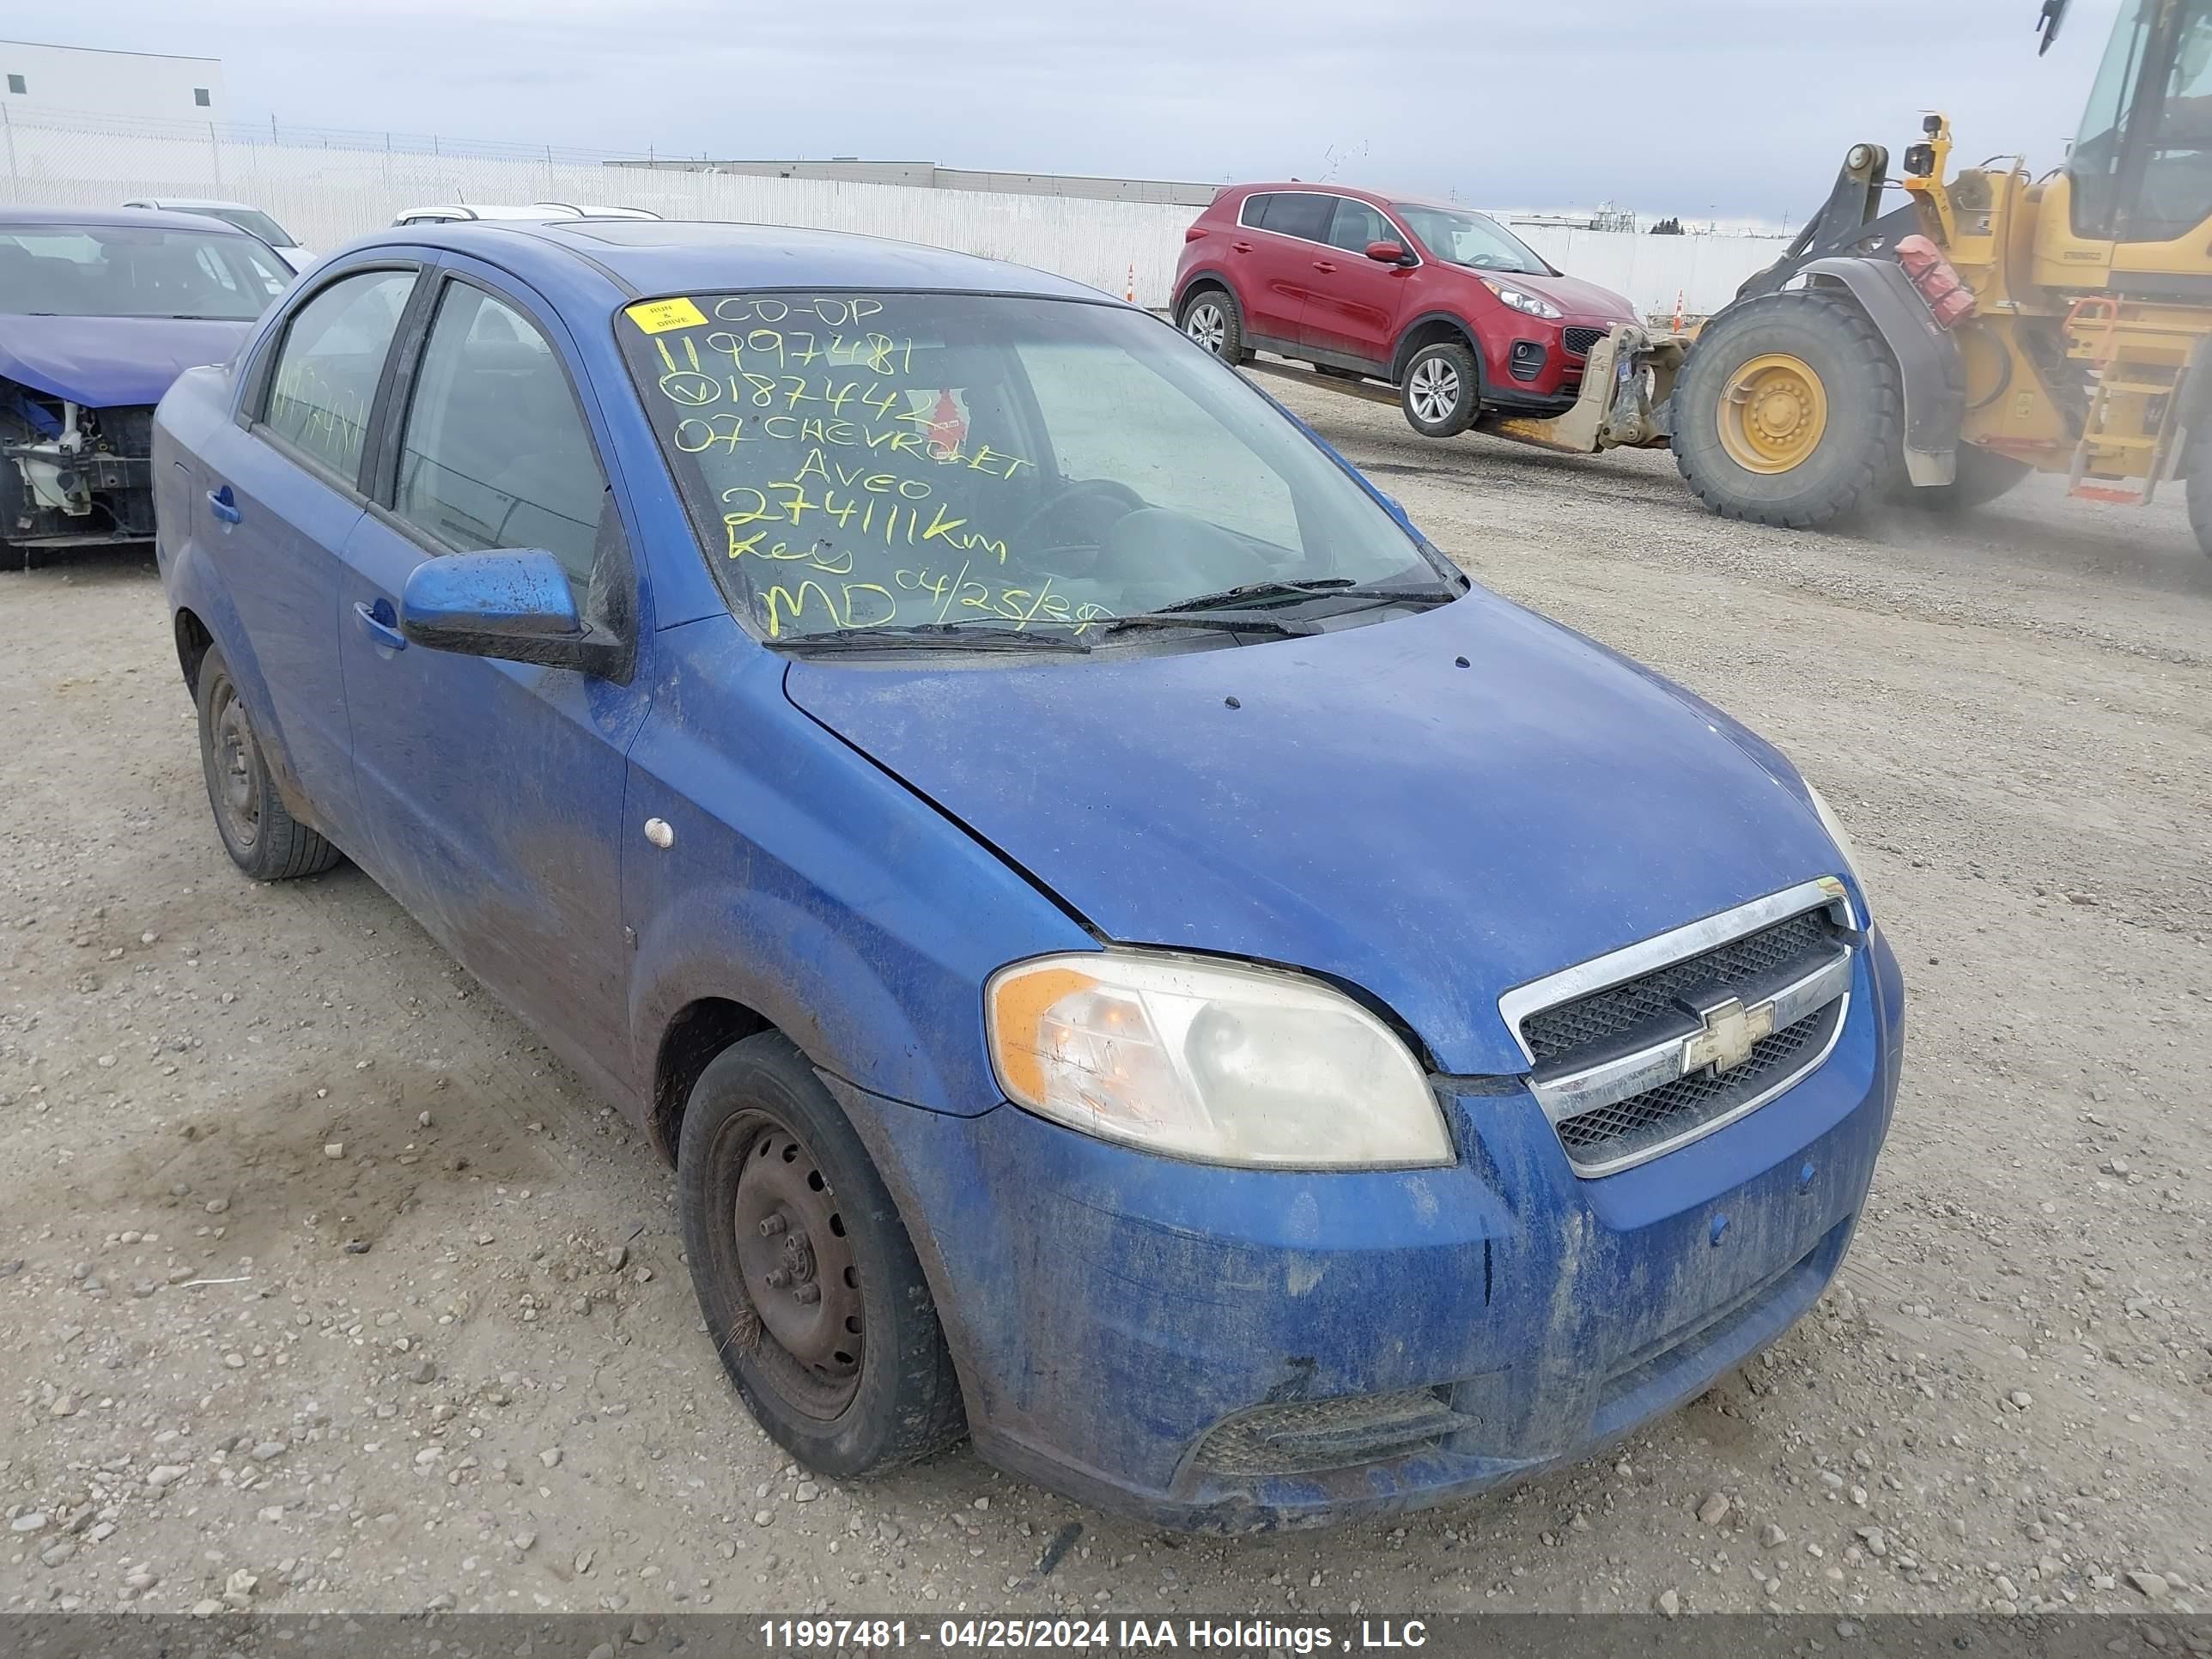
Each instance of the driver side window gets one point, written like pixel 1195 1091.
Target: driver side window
pixel 1109 416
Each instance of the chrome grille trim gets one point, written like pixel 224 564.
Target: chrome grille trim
pixel 1567 1095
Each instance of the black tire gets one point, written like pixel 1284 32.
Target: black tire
pixel 879 1390
pixel 1984 474
pixel 1441 389
pixel 1205 307
pixel 261 835
pixel 1857 453
pixel 2198 459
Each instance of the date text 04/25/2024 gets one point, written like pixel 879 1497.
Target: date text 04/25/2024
pixel 1244 1635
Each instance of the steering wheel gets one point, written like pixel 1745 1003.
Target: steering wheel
pixel 1101 490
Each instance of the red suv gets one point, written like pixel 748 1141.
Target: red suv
pixel 1444 304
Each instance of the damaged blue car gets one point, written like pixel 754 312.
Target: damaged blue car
pixel 99 312
pixel 1134 959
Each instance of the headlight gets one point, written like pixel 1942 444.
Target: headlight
pixel 1520 301
pixel 1209 1061
pixel 1836 834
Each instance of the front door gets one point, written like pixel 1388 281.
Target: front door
pixel 281 497
pixel 494 790
pixel 1352 310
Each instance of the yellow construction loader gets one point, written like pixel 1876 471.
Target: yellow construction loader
pixel 1990 324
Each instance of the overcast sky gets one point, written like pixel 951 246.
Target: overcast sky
pixel 1740 108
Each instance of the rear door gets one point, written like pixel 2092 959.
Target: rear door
pixel 1288 230
pixel 492 790
pixel 1354 304
pixel 280 492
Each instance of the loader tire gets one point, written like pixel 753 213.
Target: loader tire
pixel 2199 488
pixel 1984 474
pixel 1789 411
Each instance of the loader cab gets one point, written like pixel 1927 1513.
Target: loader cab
pixel 2138 181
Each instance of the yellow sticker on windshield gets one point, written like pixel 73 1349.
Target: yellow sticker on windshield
pixel 658 316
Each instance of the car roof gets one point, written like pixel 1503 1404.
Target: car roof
pixel 151 218
pixel 1372 197
pixel 166 202
pixel 677 256
pixel 468 210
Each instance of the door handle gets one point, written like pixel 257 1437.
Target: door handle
pixel 1241 247
pixel 376 621
pixel 223 506
pixel 1324 265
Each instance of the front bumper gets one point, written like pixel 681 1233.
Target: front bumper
pixel 1169 1339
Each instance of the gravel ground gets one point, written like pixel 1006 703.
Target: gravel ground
pixel 323 1287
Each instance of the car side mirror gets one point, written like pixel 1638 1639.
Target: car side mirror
pixel 516 607
pixel 1388 253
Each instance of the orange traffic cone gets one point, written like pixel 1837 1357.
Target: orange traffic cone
pixel 1678 310
pixel 1131 296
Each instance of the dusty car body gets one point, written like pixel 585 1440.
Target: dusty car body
pixel 1252 1050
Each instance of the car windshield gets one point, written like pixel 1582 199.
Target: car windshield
pixel 252 222
pixel 1460 238
pixel 134 270
pixel 922 461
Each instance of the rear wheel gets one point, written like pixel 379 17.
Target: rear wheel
pixel 1210 317
pixel 2200 487
pixel 1788 411
pixel 260 832
pixel 1441 391
pixel 810 1285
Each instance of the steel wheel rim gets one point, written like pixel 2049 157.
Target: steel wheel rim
pixel 1206 325
pixel 1434 390
pixel 237 767
pixel 795 1261
pixel 1774 414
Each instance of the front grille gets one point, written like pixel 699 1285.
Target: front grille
pixel 1636 1066
pixel 1586 1027
pixel 1629 1127
pixel 1579 340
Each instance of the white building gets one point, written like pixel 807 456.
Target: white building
pixel 101 82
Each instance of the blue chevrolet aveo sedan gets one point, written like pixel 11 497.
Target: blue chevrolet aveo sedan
pixel 1135 958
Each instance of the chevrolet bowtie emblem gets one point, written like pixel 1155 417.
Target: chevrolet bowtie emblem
pixel 1731 1029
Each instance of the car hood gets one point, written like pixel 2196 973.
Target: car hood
pixel 1356 803
pixel 1574 296
pixel 111 363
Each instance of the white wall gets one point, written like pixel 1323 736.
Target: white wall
pixel 327 195
pixel 137 84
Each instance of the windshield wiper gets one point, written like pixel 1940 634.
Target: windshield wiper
pixel 968 637
pixel 1230 622
pixel 1318 587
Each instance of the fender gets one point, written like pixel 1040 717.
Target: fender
pixel 1933 373
pixel 1401 351
pixel 193 584
pixel 1198 273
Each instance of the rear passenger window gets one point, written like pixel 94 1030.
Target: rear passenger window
pixel 1358 224
pixel 329 364
pixel 1255 211
pixel 495 454
pixel 1294 213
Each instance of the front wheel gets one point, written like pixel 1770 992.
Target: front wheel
pixel 1788 411
pixel 1441 391
pixel 810 1285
